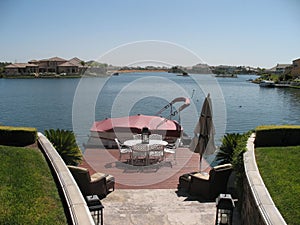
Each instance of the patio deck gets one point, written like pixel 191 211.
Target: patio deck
pixel 163 175
pixel 148 195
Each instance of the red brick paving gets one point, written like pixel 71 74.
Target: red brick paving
pixel 156 176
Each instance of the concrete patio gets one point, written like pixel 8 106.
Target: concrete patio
pixel 149 195
pixel 156 206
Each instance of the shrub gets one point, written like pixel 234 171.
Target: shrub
pixel 65 144
pixel 273 135
pixel 17 136
pixel 226 152
pixel 238 164
pixel 232 151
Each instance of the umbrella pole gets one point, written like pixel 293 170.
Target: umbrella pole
pixel 200 164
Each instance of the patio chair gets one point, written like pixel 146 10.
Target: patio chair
pixel 171 149
pixel 99 184
pixel 156 152
pixel 209 186
pixel 137 137
pixel 123 149
pixel 139 152
pixel 155 137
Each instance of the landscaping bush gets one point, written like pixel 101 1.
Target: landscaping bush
pixel 231 151
pixel 64 142
pixel 272 135
pixel 238 165
pixel 17 136
pixel 226 152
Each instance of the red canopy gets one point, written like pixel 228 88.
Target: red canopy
pixel 135 124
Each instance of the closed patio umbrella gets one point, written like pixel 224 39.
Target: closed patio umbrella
pixel 203 141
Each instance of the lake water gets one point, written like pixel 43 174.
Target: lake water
pixel 74 104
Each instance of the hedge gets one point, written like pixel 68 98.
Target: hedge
pixel 277 135
pixel 17 136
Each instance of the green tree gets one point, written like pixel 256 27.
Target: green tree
pixel 2 67
pixel 65 144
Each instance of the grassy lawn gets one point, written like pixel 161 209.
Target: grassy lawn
pixel 28 194
pixel 279 168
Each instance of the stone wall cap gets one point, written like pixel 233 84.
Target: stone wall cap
pixel 263 200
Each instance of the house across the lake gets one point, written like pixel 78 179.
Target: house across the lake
pixel 292 69
pixel 52 66
pixel 296 68
pixel 279 68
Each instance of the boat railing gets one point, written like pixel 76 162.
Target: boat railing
pixel 174 113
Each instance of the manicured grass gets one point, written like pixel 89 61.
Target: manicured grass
pixel 279 168
pixel 28 194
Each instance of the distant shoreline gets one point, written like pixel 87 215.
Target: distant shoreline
pixel 143 71
pixel 80 76
pixel 40 77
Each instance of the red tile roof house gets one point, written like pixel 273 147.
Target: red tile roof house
pixel 73 66
pixel 50 65
pixel 53 65
pixel 21 69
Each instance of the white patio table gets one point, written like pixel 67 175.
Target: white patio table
pixel 151 142
pixel 133 142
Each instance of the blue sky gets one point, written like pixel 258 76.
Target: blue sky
pixel 259 33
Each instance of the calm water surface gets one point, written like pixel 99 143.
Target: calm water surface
pixel 74 104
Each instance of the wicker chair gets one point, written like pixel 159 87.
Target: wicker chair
pixel 97 184
pixel 156 152
pixel 123 150
pixel 139 154
pixel 209 186
pixel 155 137
pixel 137 137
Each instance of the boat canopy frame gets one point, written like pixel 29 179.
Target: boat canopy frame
pixel 186 101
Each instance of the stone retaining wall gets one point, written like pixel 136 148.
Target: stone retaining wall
pixel 257 206
pixel 76 206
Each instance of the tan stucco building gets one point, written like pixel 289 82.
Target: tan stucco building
pixel 295 72
pixel 54 65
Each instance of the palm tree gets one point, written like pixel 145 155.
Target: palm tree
pixel 65 144
pixel 226 152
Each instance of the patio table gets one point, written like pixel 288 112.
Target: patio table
pixel 151 142
pixel 133 142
